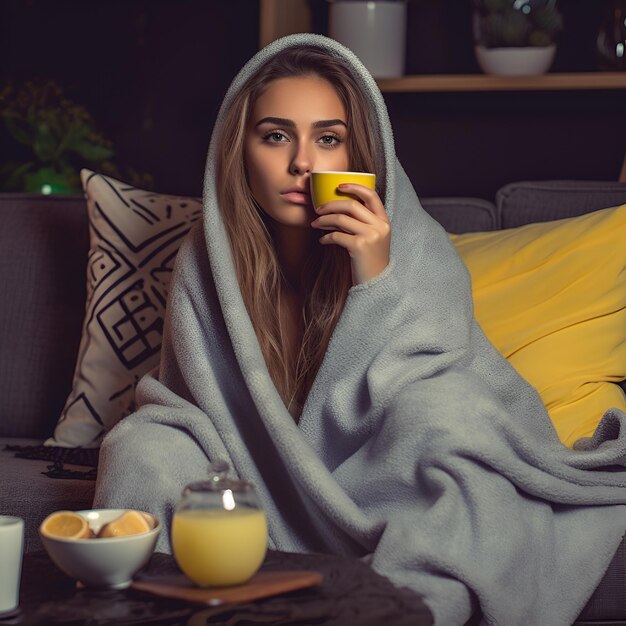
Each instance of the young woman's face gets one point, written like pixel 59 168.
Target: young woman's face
pixel 298 124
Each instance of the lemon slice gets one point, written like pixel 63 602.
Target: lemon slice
pixel 65 525
pixel 129 523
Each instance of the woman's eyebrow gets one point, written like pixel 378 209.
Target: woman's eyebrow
pixel 286 123
pixel 327 123
pixel 278 121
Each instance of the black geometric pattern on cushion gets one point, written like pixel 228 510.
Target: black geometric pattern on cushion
pixel 133 325
pixel 80 419
pixel 119 268
pixel 80 405
pixel 100 265
pixel 134 238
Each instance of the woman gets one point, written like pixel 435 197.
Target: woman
pixel 342 371
pixel 286 122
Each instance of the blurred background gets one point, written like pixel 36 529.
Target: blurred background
pixel 136 85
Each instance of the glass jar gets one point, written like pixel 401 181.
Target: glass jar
pixel 219 531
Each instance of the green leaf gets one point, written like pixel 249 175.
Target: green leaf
pixel 75 136
pixel 19 129
pixel 55 126
pixel 45 145
pixel 92 152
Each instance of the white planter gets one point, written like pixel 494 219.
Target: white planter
pixel 374 31
pixel 515 61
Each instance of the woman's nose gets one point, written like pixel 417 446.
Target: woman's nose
pixel 302 162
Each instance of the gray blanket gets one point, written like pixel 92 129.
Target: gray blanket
pixel 419 448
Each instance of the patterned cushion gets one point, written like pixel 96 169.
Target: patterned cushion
pixel 134 238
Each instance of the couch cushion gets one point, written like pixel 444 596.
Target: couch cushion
pixel 552 298
pixel 27 493
pixel 462 215
pixel 43 245
pixel 134 237
pixel 527 202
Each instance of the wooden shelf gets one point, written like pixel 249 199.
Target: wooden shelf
pixel 484 82
pixel 283 17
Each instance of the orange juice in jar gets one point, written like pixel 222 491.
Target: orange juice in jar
pixel 219 531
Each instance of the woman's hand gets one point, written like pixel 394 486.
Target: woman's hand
pixel 362 228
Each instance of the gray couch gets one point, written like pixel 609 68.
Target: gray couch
pixel 43 251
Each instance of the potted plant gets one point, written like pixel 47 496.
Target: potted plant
pixel 516 37
pixel 53 139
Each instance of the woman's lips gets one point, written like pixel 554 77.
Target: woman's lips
pixel 296 197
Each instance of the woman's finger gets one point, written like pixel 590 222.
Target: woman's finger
pixel 369 197
pixel 353 208
pixel 336 237
pixel 339 221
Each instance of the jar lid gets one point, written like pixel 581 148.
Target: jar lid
pixel 218 481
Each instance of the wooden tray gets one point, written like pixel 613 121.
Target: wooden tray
pixel 261 585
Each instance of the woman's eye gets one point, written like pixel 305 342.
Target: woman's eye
pixel 275 137
pixel 329 140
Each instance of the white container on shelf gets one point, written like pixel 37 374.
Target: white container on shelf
pixel 515 61
pixel 374 30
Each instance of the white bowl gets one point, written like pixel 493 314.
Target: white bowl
pixel 515 61
pixel 108 562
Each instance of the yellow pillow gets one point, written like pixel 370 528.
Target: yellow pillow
pixel 551 297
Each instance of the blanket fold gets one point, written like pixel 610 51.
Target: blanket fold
pixel 419 447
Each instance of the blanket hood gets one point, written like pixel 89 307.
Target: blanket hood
pixel 417 240
pixel 223 270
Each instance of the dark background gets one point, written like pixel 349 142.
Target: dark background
pixel 153 72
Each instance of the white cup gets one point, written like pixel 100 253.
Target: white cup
pixel 11 546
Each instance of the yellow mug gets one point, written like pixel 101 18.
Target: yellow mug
pixel 324 185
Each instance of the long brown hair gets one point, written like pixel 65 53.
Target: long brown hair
pixel 327 277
